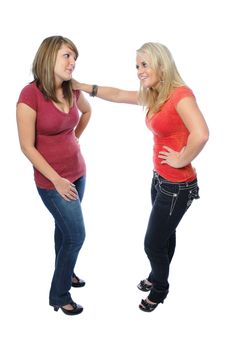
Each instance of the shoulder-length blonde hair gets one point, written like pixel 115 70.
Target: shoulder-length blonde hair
pixel 44 64
pixel 163 64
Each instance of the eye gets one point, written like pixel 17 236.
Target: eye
pixel 137 66
pixel 145 65
pixel 66 55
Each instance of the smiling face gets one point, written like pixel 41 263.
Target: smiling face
pixel 65 64
pixel 148 77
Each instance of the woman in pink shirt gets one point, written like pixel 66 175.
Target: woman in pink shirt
pixel 49 126
pixel 180 132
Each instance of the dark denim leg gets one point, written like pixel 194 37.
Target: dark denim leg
pixel 171 246
pixel 80 187
pixel 171 250
pixel 69 221
pixel 169 205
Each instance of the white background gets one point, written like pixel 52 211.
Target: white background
pixel 118 152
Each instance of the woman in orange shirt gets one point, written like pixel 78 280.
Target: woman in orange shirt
pixel 180 133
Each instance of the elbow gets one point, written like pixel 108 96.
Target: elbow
pixel 25 149
pixel 205 137
pixel 202 137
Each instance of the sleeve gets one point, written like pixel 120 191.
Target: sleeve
pixel 181 93
pixel 28 96
pixel 76 94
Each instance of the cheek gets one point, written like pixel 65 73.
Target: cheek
pixel 155 78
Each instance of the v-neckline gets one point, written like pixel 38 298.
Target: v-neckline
pixel 58 109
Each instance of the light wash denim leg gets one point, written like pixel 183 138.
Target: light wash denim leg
pixel 69 237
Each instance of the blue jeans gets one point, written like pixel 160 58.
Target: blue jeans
pixel 170 202
pixel 69 237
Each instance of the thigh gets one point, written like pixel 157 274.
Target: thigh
pixel 67 214
pixel 159 230
pixel 169 206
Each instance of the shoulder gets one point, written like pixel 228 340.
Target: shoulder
pixel 29 94
pixel 29 90
pixel 179 93
pixel 76 94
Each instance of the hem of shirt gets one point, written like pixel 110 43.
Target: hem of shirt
pixel 171 179
pixel 52 187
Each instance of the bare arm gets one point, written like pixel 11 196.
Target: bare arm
pixel 198 135
pixel 109 93
pixel 26 119
pixel 85 109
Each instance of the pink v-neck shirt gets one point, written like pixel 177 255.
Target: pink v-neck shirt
pixel 55 138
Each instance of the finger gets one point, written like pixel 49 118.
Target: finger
pixel 164 152
pixel 72 195
pixel 162 156
pixel 73 188
pixel 168 148
pixel 66 198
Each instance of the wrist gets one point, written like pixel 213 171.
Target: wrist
pixel 94 90
pixel 55 179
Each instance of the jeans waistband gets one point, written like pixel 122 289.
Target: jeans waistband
pixel 182 185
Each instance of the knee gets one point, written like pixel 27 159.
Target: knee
pixel 155 251
pixel 75 242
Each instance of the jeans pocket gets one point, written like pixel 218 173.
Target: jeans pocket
pixel 170 191
pixel 193 194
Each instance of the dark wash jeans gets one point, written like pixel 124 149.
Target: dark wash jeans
pixel 170 201
pixel 69 237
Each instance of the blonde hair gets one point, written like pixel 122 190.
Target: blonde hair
pixel 163 64
pixel 44 64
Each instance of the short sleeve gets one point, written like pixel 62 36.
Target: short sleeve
pixel 180 93
pixel 76 94
pixel 28 96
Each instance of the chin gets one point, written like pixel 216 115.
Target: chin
pixel 146 86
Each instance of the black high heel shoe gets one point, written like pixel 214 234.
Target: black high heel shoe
pixel 79 283
pixel 77 309
pixel 147 307
pixel 144 286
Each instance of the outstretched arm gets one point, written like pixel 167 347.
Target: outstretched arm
pixel 108 93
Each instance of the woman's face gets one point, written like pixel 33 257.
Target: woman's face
pixel 65 64
pixel 147 75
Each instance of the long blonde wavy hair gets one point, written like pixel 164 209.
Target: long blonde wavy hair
pixel 44 64
pixel 161 60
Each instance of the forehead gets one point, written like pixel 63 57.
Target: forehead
pixel 143 57
pixel 66 48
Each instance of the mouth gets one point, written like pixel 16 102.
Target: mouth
pixel 69 71
pixel 143 78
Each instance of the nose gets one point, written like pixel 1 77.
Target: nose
pixel 140 69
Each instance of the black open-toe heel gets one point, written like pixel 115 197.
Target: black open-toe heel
pixel 147 307
pixel 77 309
pixel 144 286
pixel 79 283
